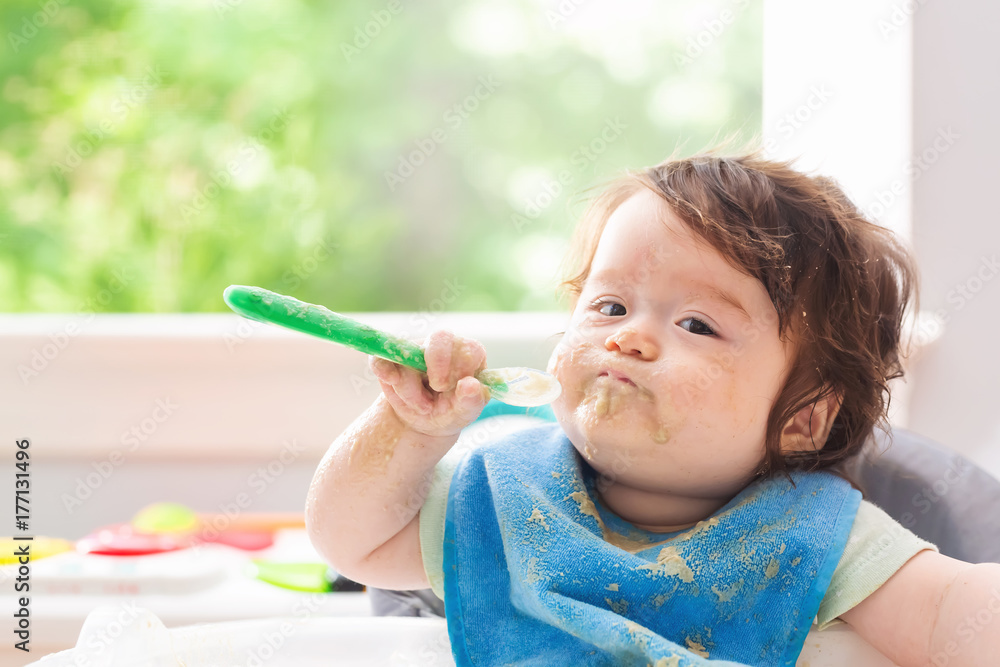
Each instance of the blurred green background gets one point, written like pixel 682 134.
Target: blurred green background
pixel 367 156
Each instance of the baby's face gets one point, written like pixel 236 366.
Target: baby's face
pixel 666 384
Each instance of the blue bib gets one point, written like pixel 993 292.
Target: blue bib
pixel 537 572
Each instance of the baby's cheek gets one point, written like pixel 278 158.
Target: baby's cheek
pixel 560 369
pixel 569 364
pixel 555 361
pixel 569 359
pixel 687 388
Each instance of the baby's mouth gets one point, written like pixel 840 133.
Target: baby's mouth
pixel 622 384
pixel 621 377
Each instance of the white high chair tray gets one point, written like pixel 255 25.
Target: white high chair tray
pixel 106 641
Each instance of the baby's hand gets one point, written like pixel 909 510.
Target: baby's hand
pixel 445 400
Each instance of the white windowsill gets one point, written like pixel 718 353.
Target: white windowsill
pixel 210 387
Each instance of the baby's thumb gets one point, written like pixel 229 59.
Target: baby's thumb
pixel 472 397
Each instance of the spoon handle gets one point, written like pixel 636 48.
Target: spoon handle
pixel 259 304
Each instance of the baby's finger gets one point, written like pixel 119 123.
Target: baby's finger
pixel 468 357
pixel 410 388
pixel 472 396
pixel 437 355
pixel 398 404
pixel 384 370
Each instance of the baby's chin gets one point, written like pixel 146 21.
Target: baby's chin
pixel 599 443
pixel 641 468
pixel 615 464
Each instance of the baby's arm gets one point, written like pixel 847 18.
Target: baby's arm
pixel 934 611
pixel 363 503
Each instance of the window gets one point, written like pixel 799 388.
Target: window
pixel 367 156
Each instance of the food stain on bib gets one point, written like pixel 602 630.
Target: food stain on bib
pixel 670 564
pixel 672 661
pixel 696 647
pixel 539 518
pixel 620 607
pixel 727 594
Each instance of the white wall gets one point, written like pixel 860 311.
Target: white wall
pixel 837 96
pixel 907 126
pixel 956 86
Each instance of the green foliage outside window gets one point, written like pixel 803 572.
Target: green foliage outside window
pixel 367 156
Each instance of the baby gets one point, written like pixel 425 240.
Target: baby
pixel 734 326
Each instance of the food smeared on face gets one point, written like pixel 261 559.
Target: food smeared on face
pixel 669 366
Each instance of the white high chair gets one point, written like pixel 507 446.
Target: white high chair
pixel 315 642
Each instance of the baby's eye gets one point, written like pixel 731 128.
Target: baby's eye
pixel 698 327
pixel 608 308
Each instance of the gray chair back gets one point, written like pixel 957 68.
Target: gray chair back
pixel 934 492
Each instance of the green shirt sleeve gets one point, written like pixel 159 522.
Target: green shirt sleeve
pixel 876 548
pixel 432 516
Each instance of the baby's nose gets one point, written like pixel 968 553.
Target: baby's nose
pixel 631 341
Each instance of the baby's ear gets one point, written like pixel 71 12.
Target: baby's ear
pixel 801 432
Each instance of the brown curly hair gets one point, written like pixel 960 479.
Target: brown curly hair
pixel 840 284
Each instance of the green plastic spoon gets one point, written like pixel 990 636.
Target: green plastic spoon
pixel 526 387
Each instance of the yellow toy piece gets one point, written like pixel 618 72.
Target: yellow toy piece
pixel 165 518
pixel 39 547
